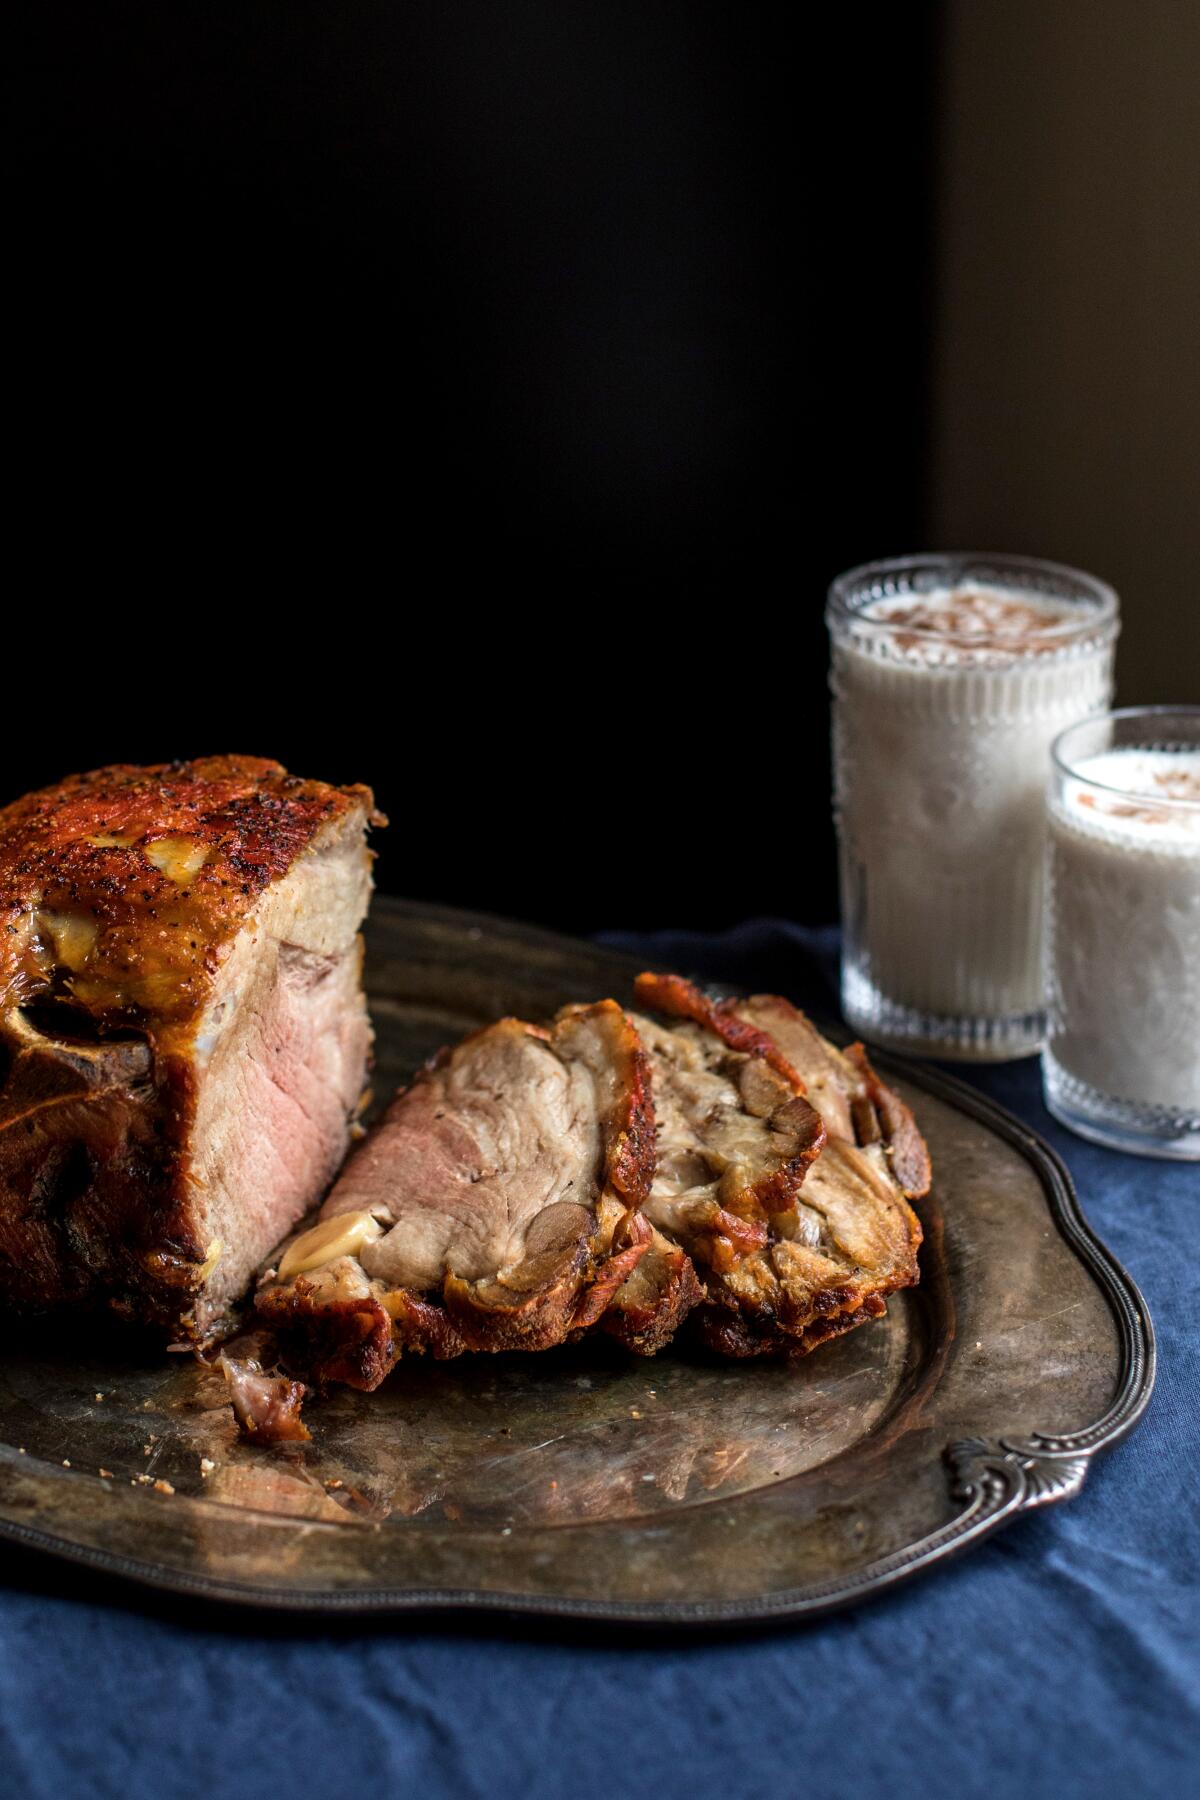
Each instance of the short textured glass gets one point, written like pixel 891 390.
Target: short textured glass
pixel 1122 1064
pixel 951 676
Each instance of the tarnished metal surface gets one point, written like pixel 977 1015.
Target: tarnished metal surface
pixel 584 1480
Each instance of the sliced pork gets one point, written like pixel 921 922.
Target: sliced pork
pixel 734 1133
pixel 183 1034
pixel 825 1263
pixel 856 1106
pixel 496 1207
pixel 627 1173
pixel 735 1138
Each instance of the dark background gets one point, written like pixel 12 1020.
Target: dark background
pixel 476 399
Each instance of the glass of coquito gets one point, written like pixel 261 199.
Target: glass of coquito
pixel 951 677
pixel 1122 1064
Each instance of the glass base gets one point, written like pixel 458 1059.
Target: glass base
pixel 1119 1124
pixel 957 1039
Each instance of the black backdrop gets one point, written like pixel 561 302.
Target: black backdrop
pixel 473 399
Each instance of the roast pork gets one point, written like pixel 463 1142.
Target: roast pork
pixel 736 1135
pixel 183 1034
pixel 623 1172
pixel 847 1238
pixel 496 1206
pixel 856 1106
pixel 734 1139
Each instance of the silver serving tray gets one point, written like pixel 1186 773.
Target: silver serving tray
pixel 585 1481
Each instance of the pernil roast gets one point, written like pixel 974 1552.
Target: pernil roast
pixel 183 1050
pixel 183 1035
pixel 483 1214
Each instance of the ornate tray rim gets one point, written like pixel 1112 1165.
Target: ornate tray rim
pixel 995 1480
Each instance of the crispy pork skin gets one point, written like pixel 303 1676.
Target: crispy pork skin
pixel 496 1206
pixel 183 1035
pixel 825 1262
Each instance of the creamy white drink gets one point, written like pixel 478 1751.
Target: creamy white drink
pixel 1123 1061
pixel 950 682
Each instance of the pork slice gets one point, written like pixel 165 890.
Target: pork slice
pixel 851 1242
pixel 183 1034
pixel 825 1263
pixel 735 1134
pixel 495 1207
pixel 734 1138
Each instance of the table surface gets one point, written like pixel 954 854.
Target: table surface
pixel 1059 1658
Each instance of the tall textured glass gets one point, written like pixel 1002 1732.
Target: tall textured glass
pixel 951 676
pixel 1122 1064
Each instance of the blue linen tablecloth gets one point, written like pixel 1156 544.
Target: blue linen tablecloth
pixel 1059 1659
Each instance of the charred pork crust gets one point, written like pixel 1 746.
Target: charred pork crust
pixel 332 1324
pixel 146 874
pixel 502 1192
pixel 647 1309
pixel 124 895
pixel 736 1336
pixel 681 999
